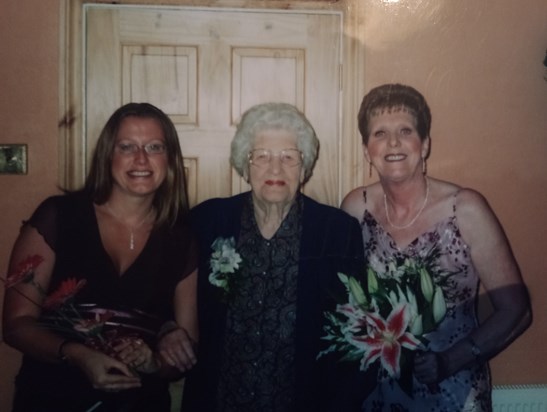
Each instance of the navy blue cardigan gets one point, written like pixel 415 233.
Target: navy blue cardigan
pixel 331 242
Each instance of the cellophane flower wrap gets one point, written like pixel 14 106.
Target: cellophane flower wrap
pixel 83 323
pixel 225 263
pixel 384 323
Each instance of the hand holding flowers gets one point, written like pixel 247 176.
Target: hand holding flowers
pixel 103 371
pixel 389 322
pixel 81 323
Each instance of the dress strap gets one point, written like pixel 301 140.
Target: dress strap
pixel 365 202
pixel 454 201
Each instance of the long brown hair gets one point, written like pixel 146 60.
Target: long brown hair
pixel 171 198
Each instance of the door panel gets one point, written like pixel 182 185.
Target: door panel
pixel 204 68
pixel 166 75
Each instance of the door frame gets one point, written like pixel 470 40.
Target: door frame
pixel 72 146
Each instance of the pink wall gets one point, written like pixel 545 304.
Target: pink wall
pixel 478 63
pixel 29 86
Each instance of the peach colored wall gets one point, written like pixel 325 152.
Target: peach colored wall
pixel 478 63
pixel 29 88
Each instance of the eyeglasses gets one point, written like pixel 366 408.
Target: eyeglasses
pixel 263 157
pixel 127 149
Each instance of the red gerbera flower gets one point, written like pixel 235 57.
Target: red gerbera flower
pixel 25 271
pixel 66 290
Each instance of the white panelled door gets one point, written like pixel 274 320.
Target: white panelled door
pixel 204 68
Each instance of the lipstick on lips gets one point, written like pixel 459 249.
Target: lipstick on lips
pixel 275 182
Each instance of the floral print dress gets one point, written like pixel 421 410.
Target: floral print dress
pixel 442 250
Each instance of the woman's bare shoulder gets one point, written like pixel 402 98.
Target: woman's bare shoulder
pixel 355 202
pixel 475 216
pixel 464 199
pixel 443 188
pixel 469 200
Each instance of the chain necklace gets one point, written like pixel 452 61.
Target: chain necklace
pixel 415 217
pixel 131 228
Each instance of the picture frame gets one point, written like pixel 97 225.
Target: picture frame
pixel 13 159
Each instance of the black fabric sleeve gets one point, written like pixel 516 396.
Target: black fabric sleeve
pixel 44 220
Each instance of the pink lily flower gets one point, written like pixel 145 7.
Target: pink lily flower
pixel 356 318
pixel 385 339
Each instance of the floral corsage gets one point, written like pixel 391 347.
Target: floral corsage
pixel 224 263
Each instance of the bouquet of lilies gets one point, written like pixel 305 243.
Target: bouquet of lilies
pixel 390 318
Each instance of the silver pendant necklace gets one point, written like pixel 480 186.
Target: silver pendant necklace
pixel 131 228
pixel 415 217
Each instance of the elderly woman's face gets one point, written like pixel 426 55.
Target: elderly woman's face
pixel 275 167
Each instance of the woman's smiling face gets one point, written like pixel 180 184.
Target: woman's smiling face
pixel 394 146
pixel 139 173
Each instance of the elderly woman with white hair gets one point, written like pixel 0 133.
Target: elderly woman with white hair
pixel 268 268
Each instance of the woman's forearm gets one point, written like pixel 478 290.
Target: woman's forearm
pixel 511 317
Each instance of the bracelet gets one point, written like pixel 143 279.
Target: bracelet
pixel 60 355
pixel 167 328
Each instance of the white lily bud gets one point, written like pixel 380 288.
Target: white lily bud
pixel 372 281
pixel 409 263
pixel 357 291
pixel 416 326
pixel 426 284
pixel 413 303
pixel 343 278
pixel 392 297
pixel 439 305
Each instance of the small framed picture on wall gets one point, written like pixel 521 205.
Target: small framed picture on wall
pixel 13 159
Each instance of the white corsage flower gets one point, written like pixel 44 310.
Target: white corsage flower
pixel 224 261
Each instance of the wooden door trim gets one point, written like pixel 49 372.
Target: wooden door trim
pixel 72 146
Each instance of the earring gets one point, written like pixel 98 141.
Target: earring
pixel 424 166
pixel 370 169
